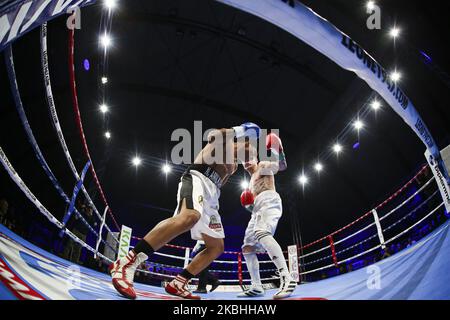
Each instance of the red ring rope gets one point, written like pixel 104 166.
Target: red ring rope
pixel 396 194
pixel 76 109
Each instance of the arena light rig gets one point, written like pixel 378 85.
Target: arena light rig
pixel 376 105
pixel 395 76
pixel 110 4
pixel 104 108
pixel 166 169
pixel 318 167
pixel 394 32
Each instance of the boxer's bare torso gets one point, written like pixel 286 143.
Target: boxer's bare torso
pixel 262 173
pixel 262 177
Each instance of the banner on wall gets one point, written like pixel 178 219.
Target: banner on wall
pixel 306 25
pixel 293 263
pixel 21 16
pixel 124 241
pixel 444 188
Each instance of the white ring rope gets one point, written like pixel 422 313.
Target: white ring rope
pixel 378 246
pixel 374 236
pixel 156 264
pixel 57 124
pixel 373 223
pixel 407 200
pixel 216 261
pixel 21 184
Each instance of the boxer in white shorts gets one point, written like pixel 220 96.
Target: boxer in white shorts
pixel 197 211
pixel 266 207
pixel 202 195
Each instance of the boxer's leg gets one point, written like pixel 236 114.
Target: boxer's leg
pixel 264 231
pixel 171 228
pixel 274 251
pixel 178 286
pixel 251 259
pixel 214 248
pixel 122 271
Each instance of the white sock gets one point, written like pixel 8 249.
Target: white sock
pixel 253 268
pixel 275 253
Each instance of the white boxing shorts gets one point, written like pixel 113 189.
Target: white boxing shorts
pixel 267 211
pixel 202 195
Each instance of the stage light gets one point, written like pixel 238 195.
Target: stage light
pixel 166 169
pixel 394 32
pixel 358 124
pixel 376 105
pixel 318 167
pixel 108 135
pixel 395 76
pixel 104 80
pixel 110 4
pixel 104 108
pixel 303 179
pixel 136 161
pixel 86 64
pixel 370 5
pixel 105 40
pixel 337 148
pixel 244 185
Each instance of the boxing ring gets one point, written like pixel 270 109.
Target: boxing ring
pixel 420 271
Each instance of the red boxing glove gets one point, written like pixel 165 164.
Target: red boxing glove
pixel 273 143
pixel 247 199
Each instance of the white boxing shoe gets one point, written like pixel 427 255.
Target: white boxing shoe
pixel 253 292
pixel 287 287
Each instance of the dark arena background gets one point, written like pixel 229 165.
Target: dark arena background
pixel 92 92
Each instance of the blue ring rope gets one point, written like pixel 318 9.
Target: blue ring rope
pixel 9 61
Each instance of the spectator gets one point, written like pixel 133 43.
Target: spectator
pixel 349 267
pixel 3 210
pixel 72 250
pixel 410 242
pixel 386 253
pixel 342 269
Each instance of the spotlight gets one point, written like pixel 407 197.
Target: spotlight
pixel 395 76
pixel 303 179
pixel 136 161
pixel 244 184
pixel 110 4
pixel 104 80
pixel 86 64
pixel 166 169
pixel 370 5
pixel 318 167
pixel 108 135
pixel 394 33
pixel 104 108
pixel 105 40
pixel 376 105
pixel 358 124
pixel 337 148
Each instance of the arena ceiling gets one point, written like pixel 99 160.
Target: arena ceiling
pixel 175 62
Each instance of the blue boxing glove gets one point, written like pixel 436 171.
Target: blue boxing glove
pixel 247 130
